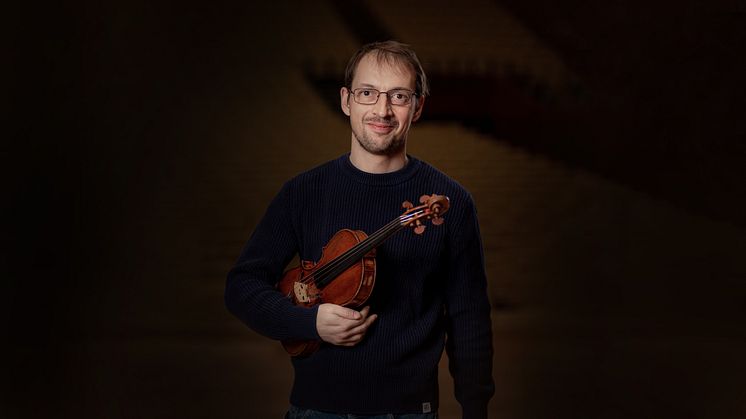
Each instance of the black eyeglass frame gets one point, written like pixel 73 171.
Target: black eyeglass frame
pixel 412 92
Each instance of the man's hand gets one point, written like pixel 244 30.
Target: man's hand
pixel 341 325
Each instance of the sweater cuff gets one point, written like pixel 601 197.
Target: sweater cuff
pixel 302 321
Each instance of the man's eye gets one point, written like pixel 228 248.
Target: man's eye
pixel 399 96
pixel 366 92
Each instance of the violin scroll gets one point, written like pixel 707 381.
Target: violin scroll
pixel 432 208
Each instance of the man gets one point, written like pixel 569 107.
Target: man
pixel 430 289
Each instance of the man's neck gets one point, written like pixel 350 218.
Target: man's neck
pixel 373 163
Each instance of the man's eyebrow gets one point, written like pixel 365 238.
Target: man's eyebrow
pixel 374 87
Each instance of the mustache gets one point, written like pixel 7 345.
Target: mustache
pixel 382 121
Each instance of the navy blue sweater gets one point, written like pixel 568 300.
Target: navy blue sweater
pixel 430 291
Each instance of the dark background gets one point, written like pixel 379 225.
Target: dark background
pixel 146 139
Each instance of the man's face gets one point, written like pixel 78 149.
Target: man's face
pixel 381 128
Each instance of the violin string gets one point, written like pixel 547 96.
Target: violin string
pixel 337 266
pixel 345 260
pixel 355 249
pixel 351 259
pixel 348 256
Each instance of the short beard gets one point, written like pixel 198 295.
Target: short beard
pixel 394 146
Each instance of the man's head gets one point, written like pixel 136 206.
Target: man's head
pixel 385 89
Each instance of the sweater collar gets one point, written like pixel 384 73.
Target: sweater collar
pixel 378 179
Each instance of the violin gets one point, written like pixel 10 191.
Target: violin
pixel 346 273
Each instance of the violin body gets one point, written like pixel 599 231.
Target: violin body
pixel 351 288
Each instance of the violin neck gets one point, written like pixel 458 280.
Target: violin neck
pixel 335 267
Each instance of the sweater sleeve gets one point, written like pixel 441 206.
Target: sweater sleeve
pixel 250 292
pixel 469 330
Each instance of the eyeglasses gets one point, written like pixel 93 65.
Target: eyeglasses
pixel 397 97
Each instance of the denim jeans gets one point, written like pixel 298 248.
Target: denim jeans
pixel 299 413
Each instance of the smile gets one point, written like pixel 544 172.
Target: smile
pixel 380 128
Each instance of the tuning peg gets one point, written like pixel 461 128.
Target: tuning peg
pixel 437 221
pixel 407 205
pixel 419 229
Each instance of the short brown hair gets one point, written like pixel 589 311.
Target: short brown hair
pixel 390 52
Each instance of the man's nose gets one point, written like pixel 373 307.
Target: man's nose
pixel 383 106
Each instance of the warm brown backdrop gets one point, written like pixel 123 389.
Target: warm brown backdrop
pixel 603 143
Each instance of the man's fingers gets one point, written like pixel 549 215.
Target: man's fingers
pixel 343 326
pixel 360 329
pixel 344 312
pixel 356 334
pixel 353 340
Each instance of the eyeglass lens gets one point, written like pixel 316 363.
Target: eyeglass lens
pixel 370 96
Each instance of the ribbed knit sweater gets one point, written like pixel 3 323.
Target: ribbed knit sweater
pixel 430 291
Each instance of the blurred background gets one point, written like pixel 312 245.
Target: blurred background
pixel 604 144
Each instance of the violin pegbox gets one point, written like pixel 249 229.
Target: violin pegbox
pixel 432 208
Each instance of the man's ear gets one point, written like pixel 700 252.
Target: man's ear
pixel 344 100
pixel 418 109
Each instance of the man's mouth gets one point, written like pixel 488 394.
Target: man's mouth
pixel 380 126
